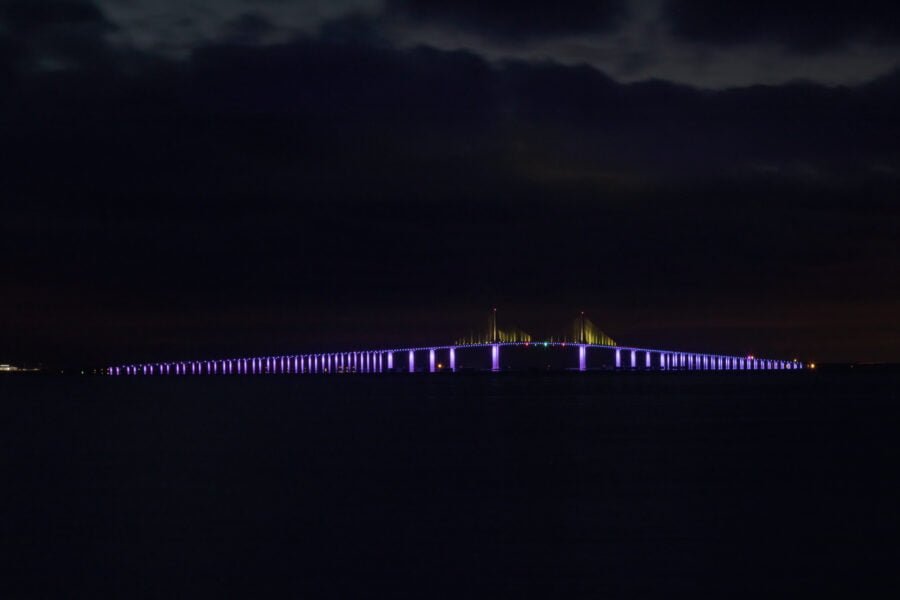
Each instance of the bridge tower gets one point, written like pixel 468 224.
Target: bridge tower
pixel 582 348
pixel 495 342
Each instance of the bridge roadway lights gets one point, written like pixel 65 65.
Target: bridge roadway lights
pixel 374 362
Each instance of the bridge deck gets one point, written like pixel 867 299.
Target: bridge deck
pixel 391 360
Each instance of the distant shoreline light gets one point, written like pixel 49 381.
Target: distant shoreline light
pixel 15 369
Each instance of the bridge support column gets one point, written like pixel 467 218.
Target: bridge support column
pixel 582 357
pixel 633 359
pixel 495 357
pixel 618 358
pixel 431 360
pixel 412 361
pixel 453 360
pixel 390 361
pixel 647 360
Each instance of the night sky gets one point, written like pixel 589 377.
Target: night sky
pixel 239 177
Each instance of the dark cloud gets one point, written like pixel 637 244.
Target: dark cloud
pixel 53 34
pixel 249 28
pixel 26 16
pixel 806 25
pixel 507 19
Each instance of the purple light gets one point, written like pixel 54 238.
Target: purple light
pixel 374 362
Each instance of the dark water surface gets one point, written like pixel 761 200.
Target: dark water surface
pixel 596 485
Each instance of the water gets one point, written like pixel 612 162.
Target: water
pixel 596 485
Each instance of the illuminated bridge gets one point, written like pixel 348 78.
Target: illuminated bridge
pixel 584 348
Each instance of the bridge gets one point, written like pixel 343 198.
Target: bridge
pixel 584 348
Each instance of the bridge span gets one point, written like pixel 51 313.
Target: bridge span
pixel 584 347
pixel 464 357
